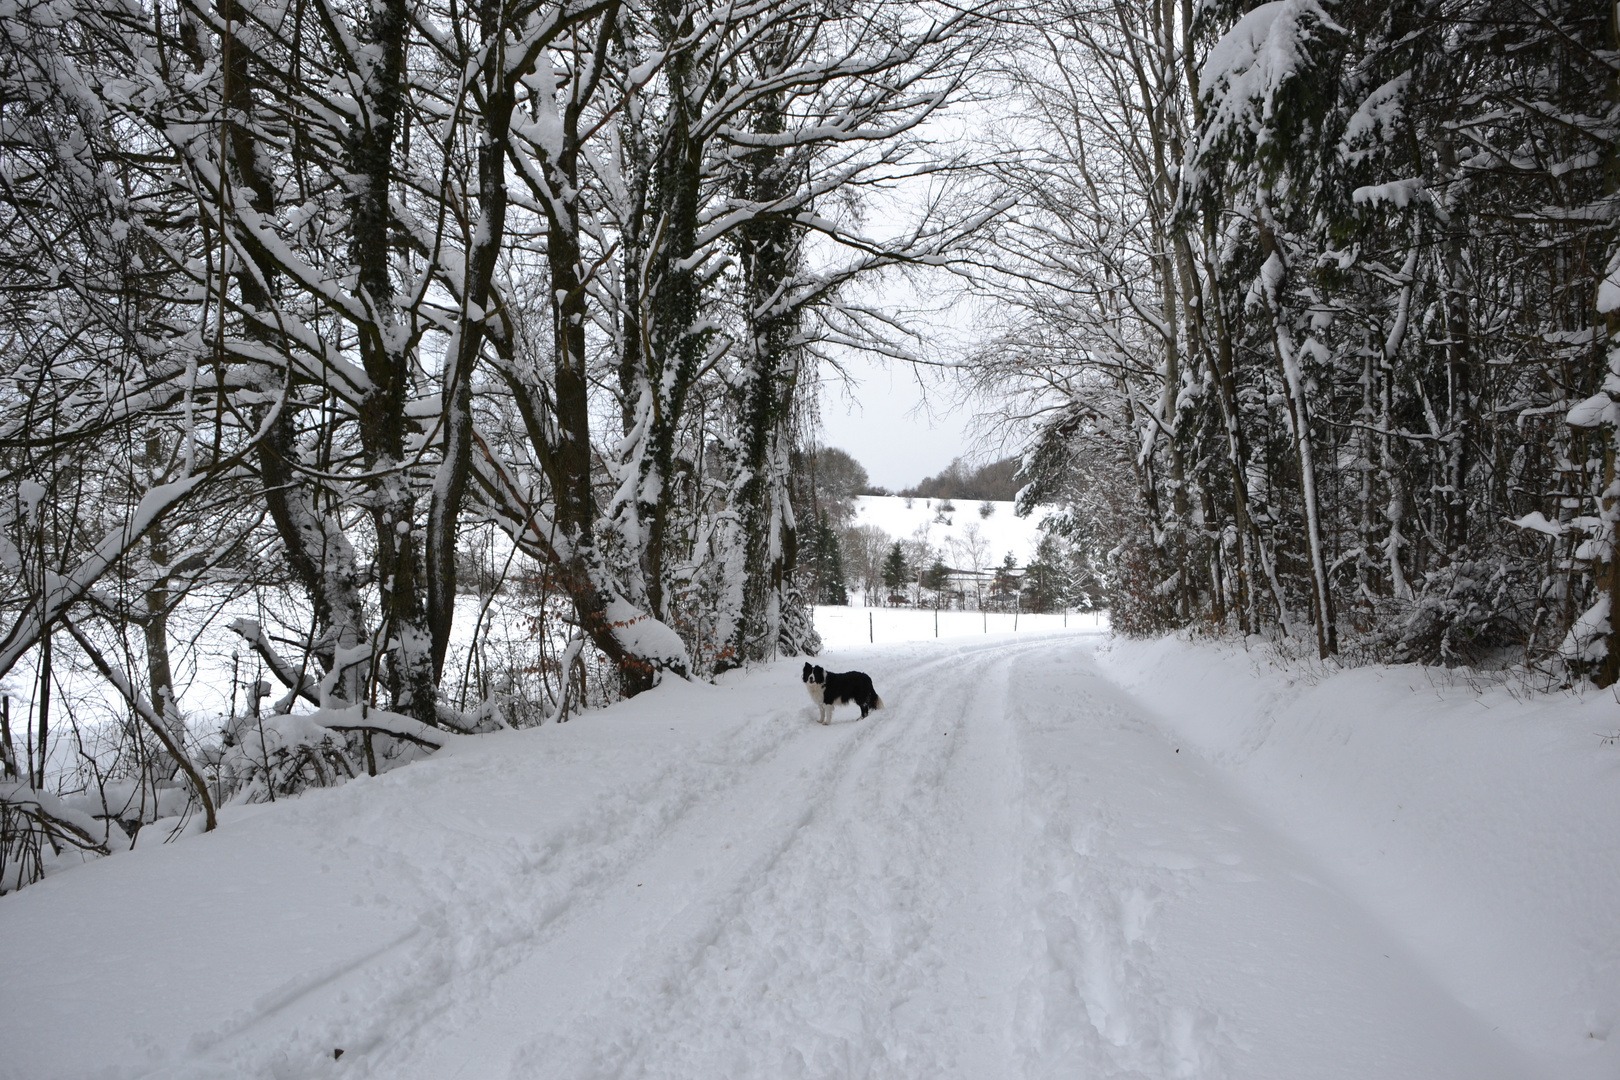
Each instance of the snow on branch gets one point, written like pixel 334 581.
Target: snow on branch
pixel 63 590
pixel 363 718
pixel 302 684
pixel 1249 70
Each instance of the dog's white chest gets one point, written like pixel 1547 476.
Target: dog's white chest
pixel 815 690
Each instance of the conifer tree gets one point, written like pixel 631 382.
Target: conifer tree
pixel 1042 584
pixel 895 571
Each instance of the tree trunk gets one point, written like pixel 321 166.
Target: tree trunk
pixel 450 483
pixel 1274 275
pixel 563 447
pixel 769 252
pixel 675 345
pixel 1459 402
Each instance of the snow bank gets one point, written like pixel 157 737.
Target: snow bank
pixel 347 915
pixel 1482 826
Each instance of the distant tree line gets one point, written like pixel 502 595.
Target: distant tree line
pixel 993 482
pixel 1057 577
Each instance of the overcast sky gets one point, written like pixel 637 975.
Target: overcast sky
pixel 882 423
pixel 901 425
pixel 906 422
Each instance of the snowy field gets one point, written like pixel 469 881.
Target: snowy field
pixel 1051 855
pixel 949 530
pixel 841 627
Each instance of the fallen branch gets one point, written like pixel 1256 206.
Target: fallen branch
pixel 370 730
pixel 303 685
pixel 48 813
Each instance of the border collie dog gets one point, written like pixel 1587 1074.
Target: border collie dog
pixel 829 688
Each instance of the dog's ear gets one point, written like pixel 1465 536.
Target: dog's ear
pixel 806 675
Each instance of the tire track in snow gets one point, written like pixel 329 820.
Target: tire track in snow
pixel 1047 890
pixel 1176 934
pixel 495 907
pixel 1093 1003
pixel 653 914
pixel 489 907
pixel 863 944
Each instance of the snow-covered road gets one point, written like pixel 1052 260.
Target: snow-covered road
pixel 1011 871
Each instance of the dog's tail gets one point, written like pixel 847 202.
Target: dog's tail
pixel 877 702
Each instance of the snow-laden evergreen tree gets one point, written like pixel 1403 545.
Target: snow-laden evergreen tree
pixel 1324 280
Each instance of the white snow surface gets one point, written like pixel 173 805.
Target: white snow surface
pixel 1050 855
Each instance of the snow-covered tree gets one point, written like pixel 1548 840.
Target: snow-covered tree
pixel 1326 279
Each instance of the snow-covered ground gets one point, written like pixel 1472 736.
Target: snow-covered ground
pixel 1477 823
pixel 1049 856
pixel 841 627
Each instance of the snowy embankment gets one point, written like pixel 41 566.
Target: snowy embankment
pixel 1016 869
pixel 1480 824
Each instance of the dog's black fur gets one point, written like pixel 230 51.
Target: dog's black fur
pixel 829 688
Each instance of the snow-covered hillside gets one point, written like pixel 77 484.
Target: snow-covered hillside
pixel 1016 869
pixel 1001 532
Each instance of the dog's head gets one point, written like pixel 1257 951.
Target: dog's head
pixel 814 674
